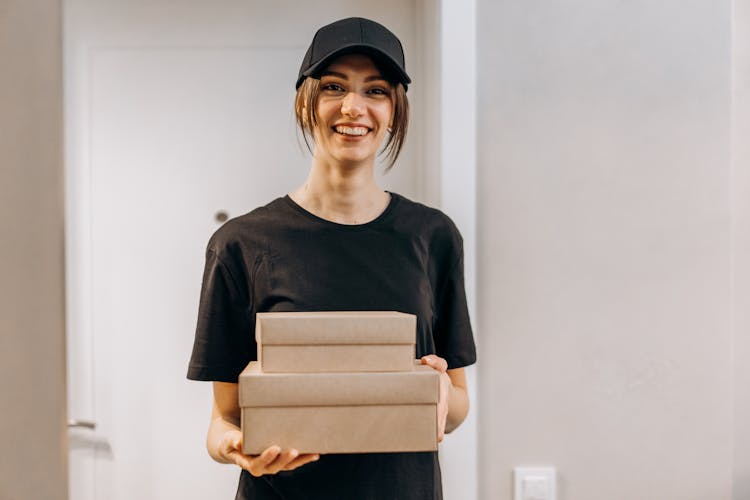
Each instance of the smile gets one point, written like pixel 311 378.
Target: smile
pixel 351 130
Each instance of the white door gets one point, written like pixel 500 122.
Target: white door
pixel 175 112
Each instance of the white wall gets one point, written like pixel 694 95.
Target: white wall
pixel 741 246
pixel 605 259
pixel 33 438
pixel 604 246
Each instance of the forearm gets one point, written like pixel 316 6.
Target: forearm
pixel 458 407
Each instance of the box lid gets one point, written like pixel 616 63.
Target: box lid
pixel 335 327
pixel 418 386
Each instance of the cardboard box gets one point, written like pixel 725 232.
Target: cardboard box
pixel 339 412
pixel 349 341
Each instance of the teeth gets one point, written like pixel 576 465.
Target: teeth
pixel 351 130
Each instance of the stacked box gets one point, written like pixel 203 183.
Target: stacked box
pixel 310 342
pixel 338 382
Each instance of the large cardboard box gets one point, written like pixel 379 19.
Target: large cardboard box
pixel 339 412
pixel 348 341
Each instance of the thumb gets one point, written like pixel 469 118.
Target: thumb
pixel 232 441
pixel 237 441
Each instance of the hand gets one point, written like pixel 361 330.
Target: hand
pixel 441 365
pixel 271 461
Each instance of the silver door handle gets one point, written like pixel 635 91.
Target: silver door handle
pixel 82 423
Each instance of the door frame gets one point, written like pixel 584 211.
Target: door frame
pixel 454 101
pixel 446 45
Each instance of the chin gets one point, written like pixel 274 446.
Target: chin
pixel 354 161
pixel 354 156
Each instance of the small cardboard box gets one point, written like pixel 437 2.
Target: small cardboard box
pixel 339 412
pixel 349 341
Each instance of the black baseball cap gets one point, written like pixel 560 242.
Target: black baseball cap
pixel 354 35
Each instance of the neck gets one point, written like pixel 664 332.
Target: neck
pixel 342 194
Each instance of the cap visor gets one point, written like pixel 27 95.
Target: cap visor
pixel 381 59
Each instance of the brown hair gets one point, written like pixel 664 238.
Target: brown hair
pixel 306 102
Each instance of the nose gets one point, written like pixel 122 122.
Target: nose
pixel 352 105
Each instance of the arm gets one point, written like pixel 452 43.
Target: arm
pixel 224 440
pixel 453 405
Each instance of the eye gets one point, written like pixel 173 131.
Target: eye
pixel 332 87
pixel 379 91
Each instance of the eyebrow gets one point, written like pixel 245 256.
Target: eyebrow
pixel 344 77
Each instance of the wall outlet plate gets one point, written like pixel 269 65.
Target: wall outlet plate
pixel 534 483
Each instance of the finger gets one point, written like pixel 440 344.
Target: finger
pixel 269 455
pixel 442 418
pixel 282 460
pixel 445 387
pixel 230 444
pixel 302 460
pixel 258 464
pixel 435 362
pixel 244 461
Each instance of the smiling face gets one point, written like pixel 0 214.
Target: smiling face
pixel 354 111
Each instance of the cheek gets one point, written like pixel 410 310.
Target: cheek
pixel 389 115
pixel 323 113
pixel 318 137
pixel 324 117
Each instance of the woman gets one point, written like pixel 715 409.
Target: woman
pixel 338 242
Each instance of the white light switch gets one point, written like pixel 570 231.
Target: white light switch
pixel 535 488
pixel 534 483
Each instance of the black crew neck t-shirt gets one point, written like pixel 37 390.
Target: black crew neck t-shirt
pixel 281 257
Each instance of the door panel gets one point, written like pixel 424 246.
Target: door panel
pixel 179 134
pixel 172 115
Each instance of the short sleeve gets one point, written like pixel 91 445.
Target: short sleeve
pixel 453 335
pixel 224 343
